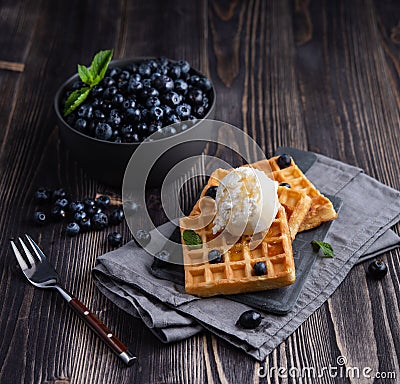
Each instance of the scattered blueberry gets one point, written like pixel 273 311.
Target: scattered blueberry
pixel 100 221
pixel 377 269
pixel 57 213
pixel 39 218
pixel 116 216
pixel 284 161
pixel 287 185
pixel 142 237
pixel 85 224
pixel 114 239
pixel 72 229
pixel 214 256
pixel 212 192
pixel 250 319
pixel 89 202
pixel 58 194
pixel 79 216
pixel 260 268
pixel 103 201
pixel 42 195
pixel 93 210
pixel 63 203
pixel 76 206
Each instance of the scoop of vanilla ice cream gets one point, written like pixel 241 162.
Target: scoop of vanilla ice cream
pixel 247 202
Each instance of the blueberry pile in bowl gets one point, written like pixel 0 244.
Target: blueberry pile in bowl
pixel 120 110
pixel 135 100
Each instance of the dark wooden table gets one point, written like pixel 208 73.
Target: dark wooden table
pixel 317 75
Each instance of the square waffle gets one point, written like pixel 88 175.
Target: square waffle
pixel 321 209
pixel 235 273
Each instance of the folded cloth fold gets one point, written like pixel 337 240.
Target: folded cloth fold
pixel 362 231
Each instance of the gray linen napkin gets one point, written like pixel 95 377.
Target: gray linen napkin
pixel 361 231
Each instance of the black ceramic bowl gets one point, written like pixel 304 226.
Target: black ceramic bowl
pixel 106 161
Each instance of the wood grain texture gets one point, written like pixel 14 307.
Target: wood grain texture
pixel 318 75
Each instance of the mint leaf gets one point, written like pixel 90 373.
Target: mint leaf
pixel 75 99
pixel 99 65
pixel 326 248
pixel 191 238
pixel 85 74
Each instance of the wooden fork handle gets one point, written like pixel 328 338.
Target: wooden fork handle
pixel 103 332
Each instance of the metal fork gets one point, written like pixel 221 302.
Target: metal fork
pixel 41 274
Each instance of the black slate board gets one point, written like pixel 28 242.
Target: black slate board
pixel 278 301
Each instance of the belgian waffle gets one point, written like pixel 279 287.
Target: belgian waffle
pixel 321 209
pixel 235 273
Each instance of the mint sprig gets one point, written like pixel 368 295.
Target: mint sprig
pixel 192 238
pixel 326 248
pixel 90 77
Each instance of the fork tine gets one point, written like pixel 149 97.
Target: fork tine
pixel 39 253
pixel 27 252
pixel 19 257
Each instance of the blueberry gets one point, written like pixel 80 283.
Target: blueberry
pixel 142 237
pixel 175 71
pixel 126 129
pixel 134 85
pixel 89 202
pixel 57 213
pixel 85 224
pixel 287 185
pixel 199 111
pixel 212 192
pixel 205 84
pixel 76 206
pixel 129 103
pixel 146 83
pixel 172 99
pixel 260 268
pixel 172 119
pixel 157 113
pixel 103 201
pixel 144 69
pixel 194 80
pixel 109 93
pixel 42 195
pixel 131 138
pixel 58 194
pixel 377 269
pixel 72 229
pixel 250 319
pixel 148 92
pixel 39 218
pixel 63 203
pixel 214 256
pixel 99 115
pixel 70 119
pixel 195 96
pixel 114 239
pixel 108 81
pixel 181 85
pixel 93 210
pixel 163 61
pixel 85 111
pixel 185 66
pixel 80 125
pixel 116 216
pixel 284 161
pixel 183 111
pixel 97 90
pixel 169 131
pixel 152 102
pixel 103 131
pixel 125 75
pixel 118 99
pixel 79 216
pixel 134 114
pixel 163 83
pixel 100 221
pixel 117 139
pixel 114 72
